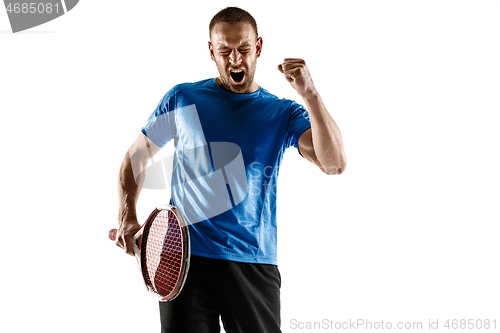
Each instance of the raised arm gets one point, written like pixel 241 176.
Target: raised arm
pixel 130 180
pixel 322 143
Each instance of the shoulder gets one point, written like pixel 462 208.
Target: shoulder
pixel 174 96
pixel 292 107
pixel 188 86
pixel 268 97
pixel 282 103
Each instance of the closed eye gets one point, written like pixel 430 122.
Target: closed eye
pixel 228 52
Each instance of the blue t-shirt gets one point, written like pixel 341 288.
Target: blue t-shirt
pixel 228 150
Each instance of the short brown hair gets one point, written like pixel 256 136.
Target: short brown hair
pixel 232 15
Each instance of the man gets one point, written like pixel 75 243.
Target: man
pixel 233 273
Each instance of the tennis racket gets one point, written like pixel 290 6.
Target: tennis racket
pixel 162 250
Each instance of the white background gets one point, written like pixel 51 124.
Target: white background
pixel 408 233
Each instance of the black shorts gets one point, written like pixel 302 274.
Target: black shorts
pixel 245 296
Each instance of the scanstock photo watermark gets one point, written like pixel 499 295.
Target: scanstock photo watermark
pixel 25 15
pixel 472 324
pixel 214 171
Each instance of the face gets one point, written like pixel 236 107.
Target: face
pixel 234 48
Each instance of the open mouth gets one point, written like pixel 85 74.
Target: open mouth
pixel 237 75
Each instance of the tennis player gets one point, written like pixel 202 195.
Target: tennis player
pixel 233 275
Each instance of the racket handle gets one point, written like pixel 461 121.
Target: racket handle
pixel 136 244
pixel 136 240
pixel 112 234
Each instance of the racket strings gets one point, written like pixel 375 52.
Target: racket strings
pixel 164 253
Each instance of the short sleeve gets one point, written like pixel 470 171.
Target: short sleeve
pixel 298 123
pixel 160 126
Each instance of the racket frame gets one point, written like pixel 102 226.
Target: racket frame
pixel 139 249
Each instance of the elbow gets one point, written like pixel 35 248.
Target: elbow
pixel 336 169
pixel 341 169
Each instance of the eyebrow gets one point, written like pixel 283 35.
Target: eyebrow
pixel 225 47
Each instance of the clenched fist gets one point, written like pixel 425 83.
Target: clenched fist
pixel 297 73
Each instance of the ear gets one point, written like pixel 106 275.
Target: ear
pixel 258 46
pixel 211 50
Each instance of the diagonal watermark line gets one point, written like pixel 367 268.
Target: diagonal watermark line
pixel 63 5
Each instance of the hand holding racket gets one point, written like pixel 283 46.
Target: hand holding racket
pixel 124 239
pixel 162 250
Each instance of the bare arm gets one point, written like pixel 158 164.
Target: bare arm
pixel 322 143
pixel 130 180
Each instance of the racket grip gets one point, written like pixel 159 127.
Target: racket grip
pixel 112 234
pixel 137 240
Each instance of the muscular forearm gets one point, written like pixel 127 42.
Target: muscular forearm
pixel 128 192
pixel 323 144
pixel 131 177
pixel 326 137
pixel 130 180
